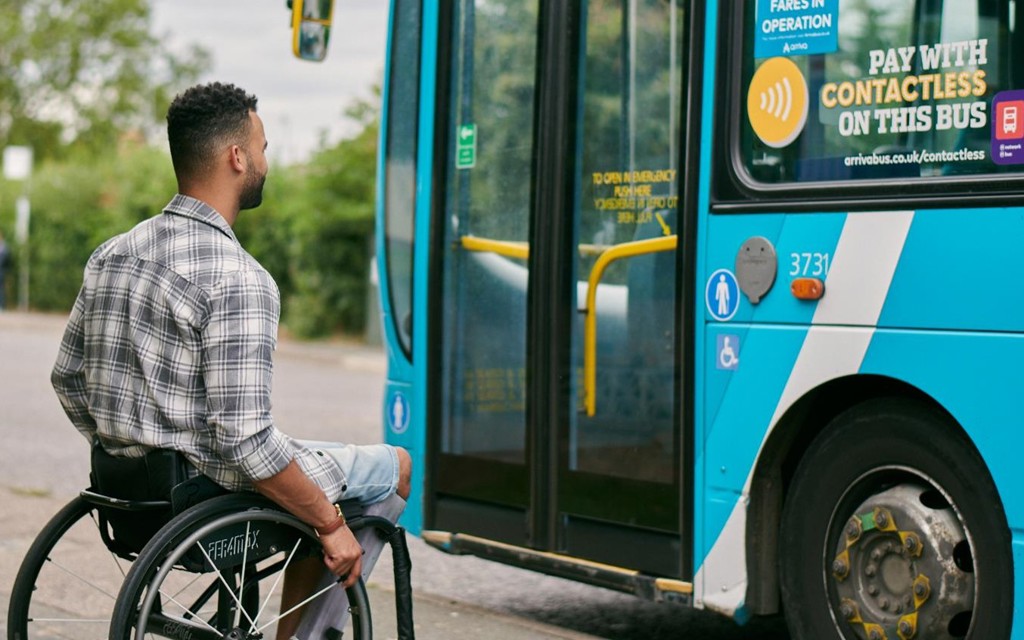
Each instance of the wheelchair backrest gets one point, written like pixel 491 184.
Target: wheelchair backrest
pixel 161 475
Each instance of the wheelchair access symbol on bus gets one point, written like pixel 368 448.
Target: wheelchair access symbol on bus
pixel 398 413
pixel 722 295
pixel 728 352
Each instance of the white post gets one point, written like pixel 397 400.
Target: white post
pixel 23 212
pixel 18 167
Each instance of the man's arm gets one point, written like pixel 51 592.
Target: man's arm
pixel 238 342
pixel 294 491
pixel 68 376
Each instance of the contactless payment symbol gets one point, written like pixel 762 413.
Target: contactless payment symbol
pixel 777 102
pixel 722 295
pixel 398 413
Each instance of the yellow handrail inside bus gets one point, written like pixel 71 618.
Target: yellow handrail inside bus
pixel 625 250
pixel 511 249
pixel 505 248
pixel 606 255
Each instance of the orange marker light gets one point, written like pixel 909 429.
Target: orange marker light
pixel 807 288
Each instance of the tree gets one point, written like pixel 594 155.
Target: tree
pixel 314 228
pixel 80 73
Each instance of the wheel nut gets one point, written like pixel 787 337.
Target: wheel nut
pixel 873 589
pixel 876 555
pixel 884 604
pixel 870 571
pixel 922 589
pixel 853 529
pixel 847 610
pixel 882 518
pixel 911 542
pixel 840 568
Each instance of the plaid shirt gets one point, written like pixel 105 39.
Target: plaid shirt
pixel 170 344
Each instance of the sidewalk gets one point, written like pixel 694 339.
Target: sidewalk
pixel 437 618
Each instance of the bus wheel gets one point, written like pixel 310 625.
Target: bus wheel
pixel 892 529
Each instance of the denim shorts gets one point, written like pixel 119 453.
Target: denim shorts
pixel 371 471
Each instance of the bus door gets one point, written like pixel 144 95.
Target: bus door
pixel 556 396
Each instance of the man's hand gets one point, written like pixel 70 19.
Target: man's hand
pixel 298 494
pixel 343 555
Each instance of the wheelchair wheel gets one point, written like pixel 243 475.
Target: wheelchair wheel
pixel 68 580
pixel 216 571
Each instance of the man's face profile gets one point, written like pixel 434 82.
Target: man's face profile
pixel 256 169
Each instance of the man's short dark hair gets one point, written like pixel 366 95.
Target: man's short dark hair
pixel 201 120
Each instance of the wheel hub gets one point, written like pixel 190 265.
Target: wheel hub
pixel 902 568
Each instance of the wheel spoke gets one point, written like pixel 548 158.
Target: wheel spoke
pixel 189 585
pixel 203 598
pixel 273 588
pixel 68 620
pixel 78 577
pixel 113 557
pixel 195 615
pixel 245 561
pixel 220 577
pixel 301 604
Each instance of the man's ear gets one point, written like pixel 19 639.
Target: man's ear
pixel 237 158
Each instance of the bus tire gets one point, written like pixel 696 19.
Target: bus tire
pixel 893 528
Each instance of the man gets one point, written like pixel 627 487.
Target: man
pixel 169 346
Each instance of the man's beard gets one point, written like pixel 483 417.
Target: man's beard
pixel 252 195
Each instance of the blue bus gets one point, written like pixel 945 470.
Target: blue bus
pixel 679 299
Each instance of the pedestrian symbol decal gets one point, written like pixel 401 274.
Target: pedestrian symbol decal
pixel 398 413
pixel 728 352
pixel 722 295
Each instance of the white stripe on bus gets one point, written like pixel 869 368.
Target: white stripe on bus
pixel 858 283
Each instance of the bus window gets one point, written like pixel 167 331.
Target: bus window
pixel 487 222
pixel 400 165
pixel 631 79
pixel 903 89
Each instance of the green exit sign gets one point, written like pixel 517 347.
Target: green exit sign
pixel 465 147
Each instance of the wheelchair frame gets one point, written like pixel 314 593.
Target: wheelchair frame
pixel 202 534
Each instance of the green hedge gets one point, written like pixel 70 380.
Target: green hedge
pixel 312 231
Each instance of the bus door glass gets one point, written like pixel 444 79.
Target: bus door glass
pixel 616 462
pixel 488 160
pixel 623 445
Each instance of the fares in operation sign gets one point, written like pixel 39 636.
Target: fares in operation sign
pixel 796 27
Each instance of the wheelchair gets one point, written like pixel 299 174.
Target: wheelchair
pixel 148 552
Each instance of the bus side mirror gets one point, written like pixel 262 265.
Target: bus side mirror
pixel 311 28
